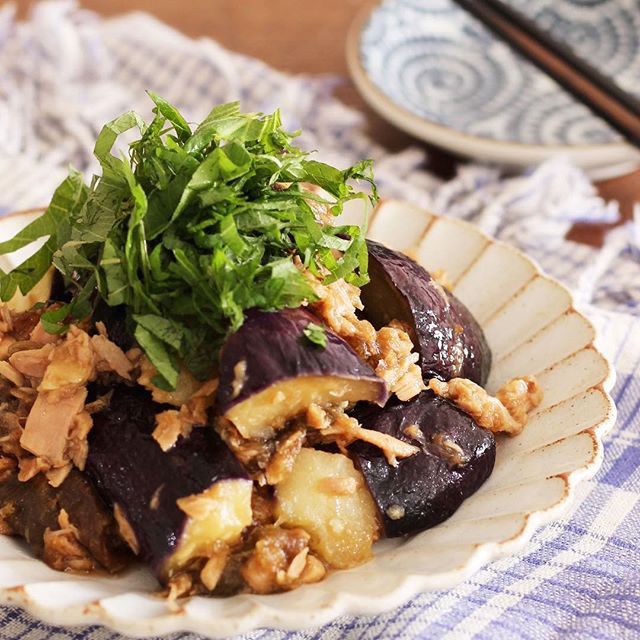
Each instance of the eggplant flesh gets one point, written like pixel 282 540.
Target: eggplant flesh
pixel 177 505
pixel 456 457
pixel 449 340
pixel 270 373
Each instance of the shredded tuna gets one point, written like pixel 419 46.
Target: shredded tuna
pixel 321 210
pixel 6 512
pixel 506 412
pixel 47 380
pixel 58 475
pixel 253 454
pixel 239 377
pixel 337 306
pixel 25 397
pixel 6 319
pixel 6 342
pixel 339 427
pixel 32 362
pixel 211 573
pixel 280 560
pixel 179 586
pixel 262 506
pixel 99 404
pixel 414 432
pixel 31 466
pixel 397 364
pixel 202 574
pixel 125 529
pixel 395 511
pixel 154 503
pixel 77 446
pixel 287 450
pixel 71 364
pixel 63 550
pixel 185 388
pixel 41 336
pixel 389 351
pixel 11 374
pixel 10 434
pixel 172 424
pixel 7 465
pixel 450 451
pixel 57 426
pixel 520 396
pixel 23 345
pixel 50 422
pixel 110 357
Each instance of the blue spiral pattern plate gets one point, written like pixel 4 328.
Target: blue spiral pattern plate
pixel 432 64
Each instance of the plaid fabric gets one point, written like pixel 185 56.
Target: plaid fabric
pixel 578 578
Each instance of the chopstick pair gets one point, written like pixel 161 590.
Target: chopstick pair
pixel 595 90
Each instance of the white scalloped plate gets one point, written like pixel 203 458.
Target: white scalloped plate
pixel 532 327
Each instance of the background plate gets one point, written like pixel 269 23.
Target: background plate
pixel 438 73
pixel 532 328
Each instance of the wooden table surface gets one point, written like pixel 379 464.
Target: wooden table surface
pixel 309 37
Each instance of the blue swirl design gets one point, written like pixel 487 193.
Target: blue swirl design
pixel 438 62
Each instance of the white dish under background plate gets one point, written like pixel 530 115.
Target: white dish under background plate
pixel 532 328
pixel 438 73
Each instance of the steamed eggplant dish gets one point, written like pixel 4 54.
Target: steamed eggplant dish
pixel 202 370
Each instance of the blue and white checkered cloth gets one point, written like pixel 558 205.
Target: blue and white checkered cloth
pixel 66 72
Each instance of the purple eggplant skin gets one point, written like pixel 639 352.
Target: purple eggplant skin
pixel 272 349
pixel 128 468
pixel 426 488
pixel 448 338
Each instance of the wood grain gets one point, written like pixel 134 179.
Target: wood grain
pixel 309 37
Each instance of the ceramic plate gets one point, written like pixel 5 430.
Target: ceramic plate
pixel 438 73
pixel 532 327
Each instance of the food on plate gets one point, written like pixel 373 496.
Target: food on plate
pixel 507 412
pixel 325 495
pixel 447 337
pixel 68 526
pixel 175 506
pixel 269 374
pixel 456 456
pixel 202 368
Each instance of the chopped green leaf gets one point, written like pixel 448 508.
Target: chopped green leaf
pixel 315 334
pixel 192 229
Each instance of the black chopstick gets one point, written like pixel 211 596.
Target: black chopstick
pixel 574 74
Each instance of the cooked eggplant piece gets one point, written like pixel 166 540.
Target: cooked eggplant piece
pixel 172 506
pixel 326 496
pixel 270 372
pixel 33 507
pixel 450 342
pixel 456 457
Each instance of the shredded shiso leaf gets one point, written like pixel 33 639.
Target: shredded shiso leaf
pixel 315 334
pixel 192 229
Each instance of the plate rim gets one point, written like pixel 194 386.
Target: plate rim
pixel 590 156
pixel 259 614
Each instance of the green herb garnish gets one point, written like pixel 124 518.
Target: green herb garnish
pixel 315 334
pixel 195 227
